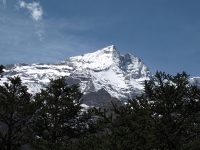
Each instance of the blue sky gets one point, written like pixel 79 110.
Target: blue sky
pixel 164 34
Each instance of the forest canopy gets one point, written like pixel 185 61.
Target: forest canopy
pixel 165 116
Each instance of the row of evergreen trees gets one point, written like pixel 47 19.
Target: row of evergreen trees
pixel 166 116
pixel 51 119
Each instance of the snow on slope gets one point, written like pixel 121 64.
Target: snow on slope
pixel 195 81
pixel 121 76
pixel 99 60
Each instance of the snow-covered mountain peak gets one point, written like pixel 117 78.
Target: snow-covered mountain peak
pixel 98 60
pixel 122 76
pixel 109 49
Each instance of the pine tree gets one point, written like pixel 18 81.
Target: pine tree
pixel 124 127
pixel 1 70
pixel 61 119
pixel 166 116
pixel 175 107
pixel 16 111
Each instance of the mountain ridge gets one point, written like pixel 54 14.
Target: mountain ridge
pixel 121 76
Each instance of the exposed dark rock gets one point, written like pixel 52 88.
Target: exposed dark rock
pixel 101 99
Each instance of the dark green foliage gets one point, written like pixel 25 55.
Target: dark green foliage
pixel 175 108
pixel 60 120
pixel 16 110
pixel 127 127
pixel 1 70
pixel 166 117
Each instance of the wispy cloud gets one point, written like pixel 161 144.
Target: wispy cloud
pixel 19 42
pixel 36 14
pixel 34 8
pixel 61 38
pixel 3 2
pixel 40 34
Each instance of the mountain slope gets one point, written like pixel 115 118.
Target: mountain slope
pixel 195 81
pixel 121 76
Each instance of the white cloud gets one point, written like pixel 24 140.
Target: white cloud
pixel 19 41
pixel 4 2
pixel 36 13
pixel 34 9
pixel 22 4
pixel 40 35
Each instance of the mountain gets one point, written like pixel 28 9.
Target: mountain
pixel 104 72
pixel 195 81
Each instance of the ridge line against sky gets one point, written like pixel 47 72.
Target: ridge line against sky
pixel 164 34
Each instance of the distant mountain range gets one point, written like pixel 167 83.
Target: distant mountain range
pixel 104 75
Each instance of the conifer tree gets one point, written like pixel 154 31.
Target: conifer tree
pixel 166 116
pixel 175 108
pixel 61 119
pixel 127 127
pixel 16 110
pixel 1 70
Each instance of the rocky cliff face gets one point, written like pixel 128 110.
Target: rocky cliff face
pixel 119 76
